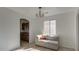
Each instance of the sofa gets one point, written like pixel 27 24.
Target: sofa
pixel 47 41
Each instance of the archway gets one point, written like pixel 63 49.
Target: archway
pixel 24 32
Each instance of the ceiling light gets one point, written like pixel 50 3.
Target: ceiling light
pixel 40 12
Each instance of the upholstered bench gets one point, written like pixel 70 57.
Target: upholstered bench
pixel 49 42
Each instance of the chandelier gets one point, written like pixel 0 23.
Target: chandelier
pixel 40 13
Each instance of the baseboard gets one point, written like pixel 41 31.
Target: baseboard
pixel 15 49
pixel 68 48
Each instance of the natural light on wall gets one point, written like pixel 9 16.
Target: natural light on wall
pixel 50 27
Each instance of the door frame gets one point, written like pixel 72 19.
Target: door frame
pixel 20 28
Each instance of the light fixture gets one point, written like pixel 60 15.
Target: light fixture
pixel 40 13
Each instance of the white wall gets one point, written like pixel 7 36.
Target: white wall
pixel 9 29
pixel 35 28
pixel 78 28
pixel 66 28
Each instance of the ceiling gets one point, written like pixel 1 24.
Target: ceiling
pixel 31 11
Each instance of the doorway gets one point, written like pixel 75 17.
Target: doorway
pixel 24 32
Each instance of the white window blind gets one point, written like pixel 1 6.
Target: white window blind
pixel 50 27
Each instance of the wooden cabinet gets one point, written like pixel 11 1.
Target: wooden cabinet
pixel 25 36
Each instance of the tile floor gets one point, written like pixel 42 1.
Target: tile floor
pixel 31 47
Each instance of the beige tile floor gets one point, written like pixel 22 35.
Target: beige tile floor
pixel 31 47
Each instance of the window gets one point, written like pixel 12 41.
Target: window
pixel 50 27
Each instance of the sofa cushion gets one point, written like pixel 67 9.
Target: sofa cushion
pixel 51 37
pixel 43 37
pixel 49 41
pixel 46 37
